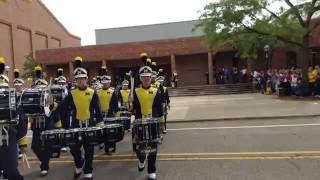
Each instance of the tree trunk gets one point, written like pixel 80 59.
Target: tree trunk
pixel 304 55
pixel 304 62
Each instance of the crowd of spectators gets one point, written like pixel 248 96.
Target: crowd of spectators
pixel 283 82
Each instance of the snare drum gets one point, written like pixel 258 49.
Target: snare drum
pixel 35 102
pixel 8 108
pixel 113 133
pixel 112 120
pixel 70 137
pixel 93 135
pixel 51 139
pixel 146 131
pixel 126 121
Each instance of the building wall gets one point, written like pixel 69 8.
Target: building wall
pixel 191 69
pixel 152 32
pixel 26 27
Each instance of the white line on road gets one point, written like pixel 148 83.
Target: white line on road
pixel 239 127
pixel 246 127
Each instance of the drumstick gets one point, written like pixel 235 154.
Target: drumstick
pixel 25 158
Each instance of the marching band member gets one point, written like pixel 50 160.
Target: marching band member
pixel 165 97
pixel 60 80
pixel 147 103
pixel 18 85
pixel 124 94
pixel 43 154
pixel 108 99
pixel 18 82
pixel 17 136
pixel 84 103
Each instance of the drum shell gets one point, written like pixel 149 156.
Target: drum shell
pixel 126 121
pixel 70 137
pixel 93 136
pixel 59 93
pixel 113 133
pixel 51 140
pixel 32 101
pixel 8 110
pixel 146 132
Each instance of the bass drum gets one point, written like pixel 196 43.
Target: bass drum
pixel 35 102
pixel 59 92
pixel 8 106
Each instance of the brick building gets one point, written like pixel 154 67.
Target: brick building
pixel 175 47
pixel 29 26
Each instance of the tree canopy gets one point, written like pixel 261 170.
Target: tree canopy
pixel 248 25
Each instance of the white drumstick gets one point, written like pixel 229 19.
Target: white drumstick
pixel 25 158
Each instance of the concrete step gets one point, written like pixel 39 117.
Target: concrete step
pixel 212 90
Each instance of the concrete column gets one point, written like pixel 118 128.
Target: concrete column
pixel 70 71
pixel 14 48
pixel 210 68
pixel 173 63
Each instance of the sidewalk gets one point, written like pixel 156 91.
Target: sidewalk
pixel 243 106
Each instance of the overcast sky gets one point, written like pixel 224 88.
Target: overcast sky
pixel 82 17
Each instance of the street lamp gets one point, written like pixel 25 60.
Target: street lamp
pixel 267 49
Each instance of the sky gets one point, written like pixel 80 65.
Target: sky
pixel 82 17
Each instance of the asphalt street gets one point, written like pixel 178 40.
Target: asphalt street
pixel 225 150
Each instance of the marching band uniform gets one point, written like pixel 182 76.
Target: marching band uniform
pixel 84 103
pixel 60 80
pixel 108 98
pixel 18 85
pixel 43 154
pixel 147 102
pixel 165 96
pixel 124 94
pixel 17 135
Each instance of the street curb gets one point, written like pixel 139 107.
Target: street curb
pixel 241 118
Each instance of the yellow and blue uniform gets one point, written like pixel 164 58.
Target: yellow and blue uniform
pixel 8 154
pixel 52 122
pixel 84 105
pixel 124 97
pixel 108 99
pixel 147 102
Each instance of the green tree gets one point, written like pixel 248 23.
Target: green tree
pixel 248 25
pixel 28 67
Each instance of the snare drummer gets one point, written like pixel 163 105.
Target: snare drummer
pixel 124 94
pixel 18 85
pixel 165 97
pixel 108 99
pixel 61 80
pixel 147 103
pixel 42 123
pixel 83 102
pixel 8 154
